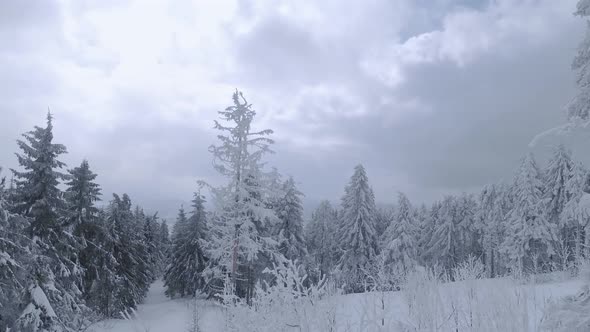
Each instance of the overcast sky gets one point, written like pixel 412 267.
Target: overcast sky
pixel 432 96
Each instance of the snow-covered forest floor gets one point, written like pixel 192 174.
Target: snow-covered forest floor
pixel 501 304
pixel 160 313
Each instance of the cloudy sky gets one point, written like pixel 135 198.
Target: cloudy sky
pixel 432 96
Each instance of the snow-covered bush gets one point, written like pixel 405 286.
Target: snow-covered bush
pixel 288 304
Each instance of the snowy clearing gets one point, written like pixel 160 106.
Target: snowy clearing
pixel 355 312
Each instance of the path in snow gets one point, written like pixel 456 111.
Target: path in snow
pixel 160 314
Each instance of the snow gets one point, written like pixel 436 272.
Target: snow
pixel 161 314
pixel 358 312
pixel 40 299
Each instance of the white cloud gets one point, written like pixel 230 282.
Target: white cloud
pixel 501 29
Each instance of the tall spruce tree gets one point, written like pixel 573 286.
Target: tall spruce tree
pixel 321 237
pixel 184 274
pixel 529 235
pixel 357 232
pixel 130 254
pixel 241 238
pixel 82 217
pixel 558 173
pixel 53 296
pixel 444 242
pixel 289 230
pixel 399 254
pixel 13 260
pixel 492 215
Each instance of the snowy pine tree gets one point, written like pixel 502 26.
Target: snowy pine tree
pixel 357 232
pixel 13 259
pixel 129 252
pixel 399 254
pixel 444 241
pixel 492 214
pixel 529 236
pixel 240 235
pixel 556 196
pixel 184 273
pixel 82 218
pixel 53 294
pixel 321 237
pixel 289 229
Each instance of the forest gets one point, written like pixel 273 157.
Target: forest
pixel 73 256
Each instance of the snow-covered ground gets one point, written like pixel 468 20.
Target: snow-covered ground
pixel 492 300
pixel 160 314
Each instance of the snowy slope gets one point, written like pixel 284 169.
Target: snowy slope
pixel 506 306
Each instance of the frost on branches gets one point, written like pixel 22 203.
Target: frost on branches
pixel 241 238
pixel 357 235
pixel 399 253
pixel 530 235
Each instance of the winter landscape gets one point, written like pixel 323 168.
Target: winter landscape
pixel 295 165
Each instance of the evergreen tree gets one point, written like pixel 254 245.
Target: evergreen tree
pixel 320 236
pixel 494 206
pixel 423 224
pixel 357 233
pixel 468 232
pixel 82 216
pixel 164 245
pixel 37 195
pixel 426 255
pixel 184 274
pixel 444 242
pixel 241 239
pixel 81 195
pixel 529 234
pixel 572 215
pixel 53 295
pixel 556 196
pixel 132 276
pixel 289 230
pixel 399 253
pixel 13 259
pixel 151 229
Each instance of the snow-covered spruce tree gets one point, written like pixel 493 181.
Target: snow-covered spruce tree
pixel 320 235
pixel 81 195
pixel 529 235
pixel 573 214
pixel 184 273
pixel 81 218
pixel 53 298
pixel 143 247
pixel 129 252
pixel 491 217
pixel 557 175
pixel 240 241
pixel 151 229
pixel 289 229
pixel 357 235
pixel 425 225
pixel 425 238
pixel 164 242
pixel 443 247
pixel 468 232
pixel 399 254
pixel 579 108
pixel 13 259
